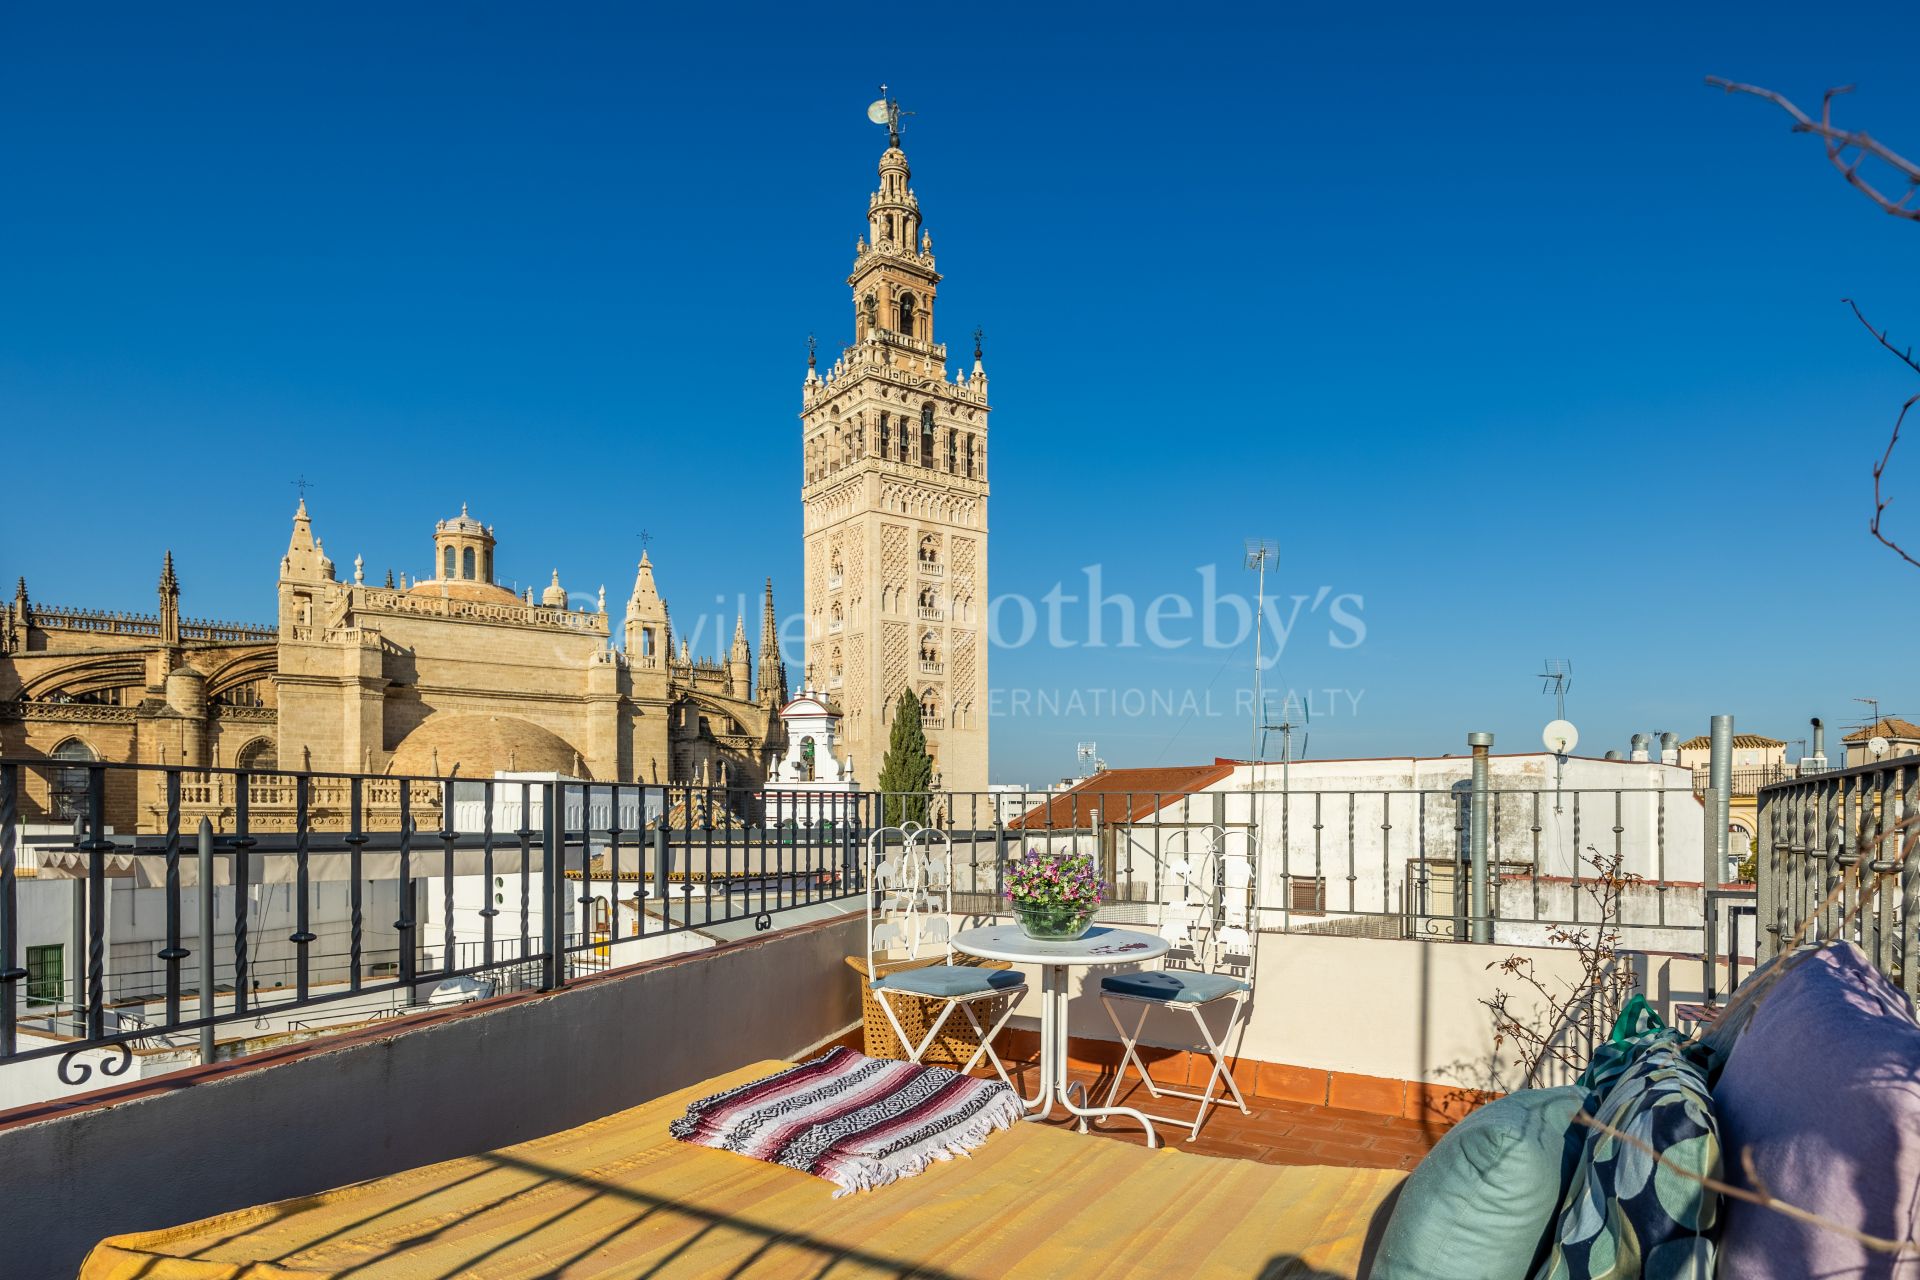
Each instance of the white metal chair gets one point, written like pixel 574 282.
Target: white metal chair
pixel 1207 919
pixel 909 904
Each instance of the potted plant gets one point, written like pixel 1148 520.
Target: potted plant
pixel 1054 895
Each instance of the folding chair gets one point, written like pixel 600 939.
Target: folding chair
pixel 909 904
pixel 1207 920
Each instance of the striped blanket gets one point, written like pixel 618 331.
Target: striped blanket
pixel 856 1121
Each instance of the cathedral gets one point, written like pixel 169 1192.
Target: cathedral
pixel 454 674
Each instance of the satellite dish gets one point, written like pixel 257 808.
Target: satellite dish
pixel 878 111
pixel 1560 737
pixel 1878 745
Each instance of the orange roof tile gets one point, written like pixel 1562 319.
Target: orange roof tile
pixel 1120 795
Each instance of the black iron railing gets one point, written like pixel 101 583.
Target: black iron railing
pixel 1837 858
pixel 182 901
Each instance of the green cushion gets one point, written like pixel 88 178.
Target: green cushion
pixel 950 980
pixel 1173 984
pixel 1481 1202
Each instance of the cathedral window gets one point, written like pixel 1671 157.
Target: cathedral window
pixel 953 451
pixel 259 754
pixel 446 565
pixel 69 784
pixel 466 564
pixel 886 436
pixel 926 434
pixel 906 315
pixel 930 550
pixel 646 642
pixel 930 705
pixel 486 565
pixel 969 457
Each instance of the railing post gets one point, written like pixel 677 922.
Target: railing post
pixel 208 1002
pixel 11 974
pixel 96 848
pixel 1766 875
pixel 1480 927
pixel 551 894
pixel 663 868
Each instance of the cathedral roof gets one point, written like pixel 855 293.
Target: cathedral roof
pixel 464 589
pixel 481 745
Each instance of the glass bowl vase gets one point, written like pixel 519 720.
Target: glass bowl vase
pixel 1053 924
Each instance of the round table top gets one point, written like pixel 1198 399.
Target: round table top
pixel 1098 945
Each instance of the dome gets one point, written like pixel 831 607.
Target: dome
pixel 463 589
pixel 481 746
pixel 462 523
pixel 555 596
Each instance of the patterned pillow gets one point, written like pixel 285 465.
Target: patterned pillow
pixel 1626 1214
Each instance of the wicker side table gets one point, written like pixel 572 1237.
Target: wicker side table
pixel 956 1041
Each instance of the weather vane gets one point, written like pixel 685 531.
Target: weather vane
pixel 646 540
pixel 978 333
pixel 812 344
pixel 886 111
pixel 302 484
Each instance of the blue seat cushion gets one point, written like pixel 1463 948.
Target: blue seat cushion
pixel 1174 985
pixel 950 980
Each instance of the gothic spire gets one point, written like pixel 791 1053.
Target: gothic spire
pixel 773 672
pixel 169 603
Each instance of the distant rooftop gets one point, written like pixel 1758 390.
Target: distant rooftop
pixel 1889 727
pixel 1702 741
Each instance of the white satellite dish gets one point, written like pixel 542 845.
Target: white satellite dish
pixel 1879 746
pixel 878 111
pixel 1560 737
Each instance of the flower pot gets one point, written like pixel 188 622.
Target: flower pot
pixel 1053 924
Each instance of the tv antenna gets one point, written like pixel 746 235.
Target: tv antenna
pixel 1559 737
pixel 1088 756
pixel 1556 677
pixel 1261 552
pixel 1872 704
pixel 1295 717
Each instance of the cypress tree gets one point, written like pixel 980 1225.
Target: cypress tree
pixel 906 774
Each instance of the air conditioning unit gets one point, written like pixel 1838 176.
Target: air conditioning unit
pixel 1812 764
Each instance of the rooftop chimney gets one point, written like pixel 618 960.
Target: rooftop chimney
pixel 1639 747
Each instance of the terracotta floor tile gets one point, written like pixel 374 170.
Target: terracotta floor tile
pixel 1276 1132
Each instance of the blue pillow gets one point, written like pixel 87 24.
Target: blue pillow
pixel 1481 1202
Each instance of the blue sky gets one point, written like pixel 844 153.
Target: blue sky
pixel 1493 318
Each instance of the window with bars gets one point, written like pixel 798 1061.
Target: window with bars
pixel 46 974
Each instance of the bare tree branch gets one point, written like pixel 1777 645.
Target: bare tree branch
pixel 1879 501
pixel 1839 142
pixel 1880 336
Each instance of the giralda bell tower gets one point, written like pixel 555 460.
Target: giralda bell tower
pixel 895 495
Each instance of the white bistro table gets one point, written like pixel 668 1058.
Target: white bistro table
pixel 1099 945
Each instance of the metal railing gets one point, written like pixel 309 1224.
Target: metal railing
pixel 324 888
pixel 1830 863
pixel 263 912
pixel 1745 782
